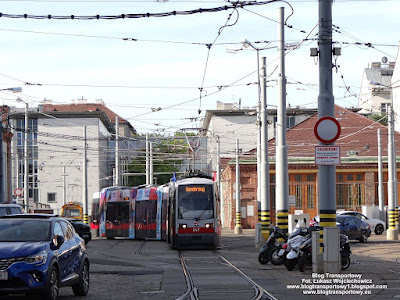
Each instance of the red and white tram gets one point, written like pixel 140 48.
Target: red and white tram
pixel 193 218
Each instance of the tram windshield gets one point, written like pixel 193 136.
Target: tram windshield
pixel 195 202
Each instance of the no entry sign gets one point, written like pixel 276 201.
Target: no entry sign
pixel 327 130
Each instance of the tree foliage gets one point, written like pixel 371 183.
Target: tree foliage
pixel 381 118
pixel 168 156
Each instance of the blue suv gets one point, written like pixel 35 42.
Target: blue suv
pixel 39 254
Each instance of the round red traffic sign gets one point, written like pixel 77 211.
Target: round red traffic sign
pixel 327 130
pixel 18 192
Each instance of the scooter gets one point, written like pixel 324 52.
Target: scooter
pixel 263 253
pixel 277 255
pixel 305 249
pixel 297 245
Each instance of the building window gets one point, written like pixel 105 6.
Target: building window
pixel 310 195
pixel 51 197
pixel 359 194
pixel 299 197
pixel 384 108
pixel 297 178
pixel 310 178
pixel 290 121
pixel 359 177
pixel 272 178
pixel 350 177
pixel 340 177
pixel 340 196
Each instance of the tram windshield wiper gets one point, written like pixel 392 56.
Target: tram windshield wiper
pixel 204 211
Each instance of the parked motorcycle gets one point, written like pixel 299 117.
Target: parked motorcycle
pixel 263 253
pixel 300 252
pixel 277 255
pixel 345 251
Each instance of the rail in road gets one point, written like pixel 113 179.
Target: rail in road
pixel 209 275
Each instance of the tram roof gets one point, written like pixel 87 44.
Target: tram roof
pixel 195 180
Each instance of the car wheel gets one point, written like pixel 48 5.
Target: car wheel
pixel 82 288
pixel 53 285
pixel 363 238
pixel 379 229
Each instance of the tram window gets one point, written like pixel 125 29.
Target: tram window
pixel 195 201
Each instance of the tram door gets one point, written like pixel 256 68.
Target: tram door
pixel 117 219
pixel 146 215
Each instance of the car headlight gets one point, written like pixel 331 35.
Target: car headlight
pixel 38 258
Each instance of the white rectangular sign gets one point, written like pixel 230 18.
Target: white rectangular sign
pixel 327 155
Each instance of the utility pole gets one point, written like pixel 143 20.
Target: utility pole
pixel 117 171
pixel 395 187
pixel 2 199
pixel 85 187
pixel 327 173
pixel 219 181
pixel 382 215
pixel 265 189
pixel 26 162
pixel 392 233
pixel 238 225
pixel 151 164
pixel 147 161
pixel 64 175
pixel 281 163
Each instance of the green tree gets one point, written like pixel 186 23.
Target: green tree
pixel 381 118
pixel 168 156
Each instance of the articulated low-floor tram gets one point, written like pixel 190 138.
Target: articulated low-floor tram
pixel 193 219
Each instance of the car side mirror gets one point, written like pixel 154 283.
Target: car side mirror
pixel 346 224
pixel 58 240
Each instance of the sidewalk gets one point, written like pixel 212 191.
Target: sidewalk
pixel 374 272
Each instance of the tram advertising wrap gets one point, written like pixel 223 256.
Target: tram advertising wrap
pixel 114 211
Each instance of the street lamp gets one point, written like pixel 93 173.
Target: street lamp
pixel 392 232
pixel 2 198
pixel 26 166
pixel 263 192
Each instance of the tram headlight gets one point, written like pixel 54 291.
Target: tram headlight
pixel 209 225
pixel 182 226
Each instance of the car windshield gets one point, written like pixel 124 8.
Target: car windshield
pixel 72 212
pixel 24 230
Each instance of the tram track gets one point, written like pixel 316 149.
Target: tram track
pixel 140 248
pixel 204 275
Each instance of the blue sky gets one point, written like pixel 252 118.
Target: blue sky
pixel 169 62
